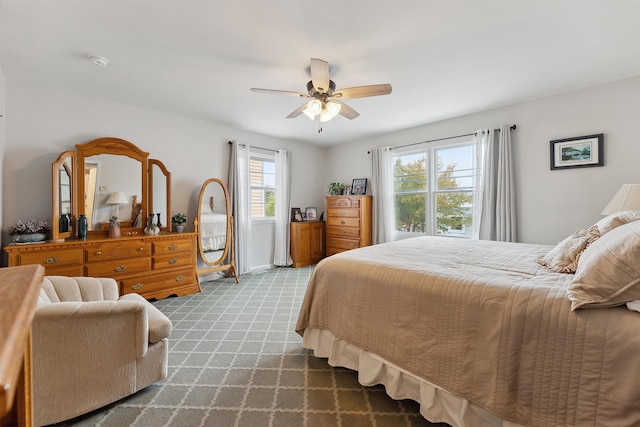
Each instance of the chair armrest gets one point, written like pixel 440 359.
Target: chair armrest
pixel 101 327
pixel 159 325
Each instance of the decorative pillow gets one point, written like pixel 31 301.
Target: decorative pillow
pixel 608 273
pixel 617 219
pixel 563 258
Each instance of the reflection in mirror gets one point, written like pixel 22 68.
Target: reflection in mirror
pixel 64 188
pixel 214 226
pixel 105 174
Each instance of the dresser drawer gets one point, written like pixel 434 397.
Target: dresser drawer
pixel 343 222
pixel 334 242
pixel 179 259
pixel 347 232
pixel 341 202
pixel 74 270
pixel 118 268
pixel 158 283
pixel 172 246
pixel 343 213
pixel 58 258
pixel 118 250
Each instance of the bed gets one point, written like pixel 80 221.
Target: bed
pixel 213 228
pixel 483 333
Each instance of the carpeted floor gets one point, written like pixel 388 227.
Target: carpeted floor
pixel 235 360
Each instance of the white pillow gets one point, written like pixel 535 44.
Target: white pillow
pixel 617 219
pixel 563 258
pixel 608 272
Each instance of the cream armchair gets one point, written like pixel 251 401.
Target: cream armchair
pixel 91 348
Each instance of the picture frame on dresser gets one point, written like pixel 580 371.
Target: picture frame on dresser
pixel 359 186
pixel 296 215
pixel 311 214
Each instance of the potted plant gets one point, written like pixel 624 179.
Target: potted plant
pixel 178 220
pixel 36 230
pixel 336 188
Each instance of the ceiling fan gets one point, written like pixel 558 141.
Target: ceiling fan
pixel 325 99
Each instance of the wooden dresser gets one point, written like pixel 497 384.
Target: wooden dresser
pixel 153 266
pixel 307 243
pixel 349 223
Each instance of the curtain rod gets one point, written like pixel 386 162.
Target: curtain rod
pixel 253 146
pixel 512 127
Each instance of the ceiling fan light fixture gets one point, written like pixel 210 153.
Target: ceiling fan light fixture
pixel 314 107
pixel 331 110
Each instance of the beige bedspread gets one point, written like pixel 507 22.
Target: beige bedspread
pixel 484 321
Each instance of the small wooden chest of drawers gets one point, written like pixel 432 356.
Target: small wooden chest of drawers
pixel 307 243
pixel 152 266
pixel 349 223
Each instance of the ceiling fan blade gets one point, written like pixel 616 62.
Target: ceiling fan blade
pixel 295 113
pixel 320 75
pixel 347 111
pixel 281 92
pixel 363 91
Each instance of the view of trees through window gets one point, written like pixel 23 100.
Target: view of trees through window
pixel 262 171
pixel 434 191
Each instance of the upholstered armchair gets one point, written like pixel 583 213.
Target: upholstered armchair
pixel 92 348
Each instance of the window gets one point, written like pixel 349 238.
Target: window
pixel 433 191
pixel 262 170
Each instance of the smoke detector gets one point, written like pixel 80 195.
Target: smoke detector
pixel 98 60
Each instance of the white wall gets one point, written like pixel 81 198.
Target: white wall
pixel 550 204
pixel 40 124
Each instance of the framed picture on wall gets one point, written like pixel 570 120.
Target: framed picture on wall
pixel 311 214
pixel 359 186
pixel 296 215
pixel 578 152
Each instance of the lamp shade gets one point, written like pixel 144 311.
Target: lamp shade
pixel 117 198
pixel 626 199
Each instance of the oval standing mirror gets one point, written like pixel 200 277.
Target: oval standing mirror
pixel 214 226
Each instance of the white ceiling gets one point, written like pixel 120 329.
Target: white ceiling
pixel 199 58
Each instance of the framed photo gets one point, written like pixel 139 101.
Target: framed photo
pixel 296 215
pixel 311 214
pixel 578 152
pixel 359 186
pixel 347 190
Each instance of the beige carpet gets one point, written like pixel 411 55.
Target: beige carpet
pixel 235 360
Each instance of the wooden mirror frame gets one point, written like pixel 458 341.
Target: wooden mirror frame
pixel 153 162
pixel 114 146
pixel 228 247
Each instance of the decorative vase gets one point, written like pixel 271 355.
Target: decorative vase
pixel 63 223
pixel 83 227
pixel 30 238
pixel 114 230
pixel 158 222
pixel 178 228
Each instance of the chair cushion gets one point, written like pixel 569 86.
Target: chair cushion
pixel 77 289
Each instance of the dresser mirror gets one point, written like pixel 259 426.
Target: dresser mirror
pixel 214 226
pixel 64 181
pixel 99 171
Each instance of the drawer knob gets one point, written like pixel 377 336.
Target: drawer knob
pixel 98 253
pixel 343 232
pixel 343 213
pixel 140 249
pixel 137 286
pixel 342 222
pixel 120 268
pixel 173 260
pixel 179 278
pixel 352 245
pixel 173 247
pixel 51 260
pixel 333 242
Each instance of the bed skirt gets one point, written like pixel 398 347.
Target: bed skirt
pixel 436 404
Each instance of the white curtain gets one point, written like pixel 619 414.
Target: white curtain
pixel 240 193
pixel 494 213
pixel 281 255
pixel 382 191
